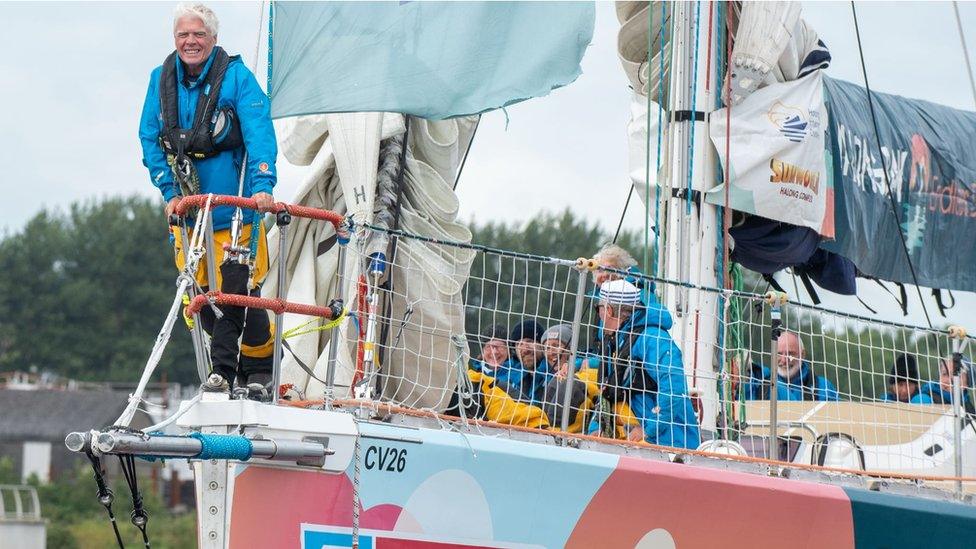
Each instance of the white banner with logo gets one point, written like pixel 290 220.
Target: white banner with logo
pixel 776 155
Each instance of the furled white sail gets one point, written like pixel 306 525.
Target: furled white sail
pixel 423 346
pixel 765 30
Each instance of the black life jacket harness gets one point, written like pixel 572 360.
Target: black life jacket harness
pixel 215 129
pixel 620 376
pixel 623 374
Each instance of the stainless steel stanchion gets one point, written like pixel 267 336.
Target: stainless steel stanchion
pixel 343 234
pixel 958 336
pixel 776 300
pixel 283 219
pixel 581 269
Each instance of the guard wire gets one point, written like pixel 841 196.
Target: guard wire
pixel 884 168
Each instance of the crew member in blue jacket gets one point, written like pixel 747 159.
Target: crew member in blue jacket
pixel 795 379
pixel 941 391
pixel 522 375
pixel 904 383
pixel 204 117
pixel 644 366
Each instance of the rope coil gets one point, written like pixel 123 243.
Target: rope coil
pixel 215 446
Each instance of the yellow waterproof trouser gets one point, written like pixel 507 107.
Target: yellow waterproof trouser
pixel 221 238
pixel 258 345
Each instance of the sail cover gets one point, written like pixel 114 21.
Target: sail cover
pixel 931 163
pixel 435 60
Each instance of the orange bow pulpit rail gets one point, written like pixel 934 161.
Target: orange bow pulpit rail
pixel 199 200
pixel 278 306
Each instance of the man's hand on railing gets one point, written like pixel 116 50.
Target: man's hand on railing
pixel 171 206
pixel 265 201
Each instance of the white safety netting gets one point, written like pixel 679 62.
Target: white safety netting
pixel 354 165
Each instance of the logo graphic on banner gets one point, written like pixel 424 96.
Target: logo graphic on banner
pixel 781 179
pixel 791 121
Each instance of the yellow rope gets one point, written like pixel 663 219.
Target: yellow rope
pixel 298 330
pixel 187 318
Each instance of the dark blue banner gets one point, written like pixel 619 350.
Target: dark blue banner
pixel 929 151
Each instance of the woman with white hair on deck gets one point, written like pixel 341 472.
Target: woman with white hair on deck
pixel 612 256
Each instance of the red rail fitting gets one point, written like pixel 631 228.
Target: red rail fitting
pixel 199 200
pixel 274 305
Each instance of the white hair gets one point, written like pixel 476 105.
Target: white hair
pixel 201 12
pixel 615 257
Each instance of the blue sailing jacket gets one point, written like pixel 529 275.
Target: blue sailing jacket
pixel 521 383
pixel 938 395
pixel 919 397
pixel 667 417
pixel 805 386
pixel 218 174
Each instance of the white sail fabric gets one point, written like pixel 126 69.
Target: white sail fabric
pixel 765 29
pixel 772 44
pixel 343 151
pixel 429 59
pixel 643 72
pixel 639 148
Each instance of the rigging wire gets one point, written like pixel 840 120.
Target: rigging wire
pixel 965 50
pixel 660 134
pixel 647 135
pixel 464 159
pixel 105 495
pixel 257 41
pixel 620 223
pixel 694 103
pixel 884 167
pixel 271 8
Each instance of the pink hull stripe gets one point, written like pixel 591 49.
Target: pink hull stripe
pixel 701 507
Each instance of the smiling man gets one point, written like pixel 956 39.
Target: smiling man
pixel 795 378
pixel 206 128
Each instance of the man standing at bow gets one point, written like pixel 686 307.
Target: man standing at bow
pixel 206 128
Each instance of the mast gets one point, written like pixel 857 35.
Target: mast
pixel 690 239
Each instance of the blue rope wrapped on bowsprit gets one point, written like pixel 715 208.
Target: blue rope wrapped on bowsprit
pixel 223 447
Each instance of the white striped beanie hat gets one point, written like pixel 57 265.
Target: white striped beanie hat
pixel 619 292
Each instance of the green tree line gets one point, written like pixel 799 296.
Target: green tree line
pixel 84 292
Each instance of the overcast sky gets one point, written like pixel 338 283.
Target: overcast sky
pixel 75 76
